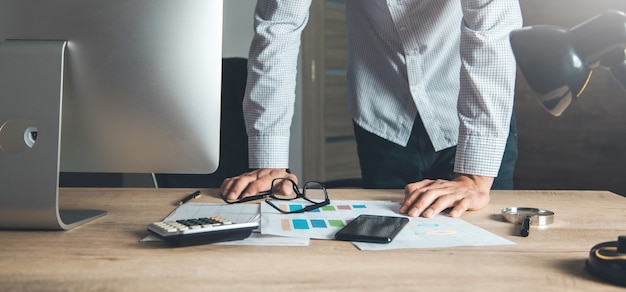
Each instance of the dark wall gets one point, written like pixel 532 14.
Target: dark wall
pixel 585 148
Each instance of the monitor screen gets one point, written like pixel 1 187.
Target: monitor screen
pixel 105 86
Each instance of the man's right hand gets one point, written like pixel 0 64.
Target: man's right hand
pixel 253 182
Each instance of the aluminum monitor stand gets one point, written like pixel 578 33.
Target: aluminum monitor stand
pixel 31 93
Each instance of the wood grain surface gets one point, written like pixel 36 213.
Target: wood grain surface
pixel 106 255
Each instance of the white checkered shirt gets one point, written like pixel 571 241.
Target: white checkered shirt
pixel 447 61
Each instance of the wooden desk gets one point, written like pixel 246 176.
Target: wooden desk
pixel 105 255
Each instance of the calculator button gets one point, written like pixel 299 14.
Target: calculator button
pixel 201 230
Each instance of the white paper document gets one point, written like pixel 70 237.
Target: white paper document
pixel 321 223
pixel 240 213
pixel 438 232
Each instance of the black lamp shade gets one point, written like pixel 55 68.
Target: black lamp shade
pixel 557 63
pixel 550 65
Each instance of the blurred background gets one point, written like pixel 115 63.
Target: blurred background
pixel 584 148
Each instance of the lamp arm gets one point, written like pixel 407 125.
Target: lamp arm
pixel 619 73
pixel 615 62
pixel 600 37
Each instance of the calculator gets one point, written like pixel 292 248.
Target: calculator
pixel 204 230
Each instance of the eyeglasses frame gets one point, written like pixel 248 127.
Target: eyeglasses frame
pixel 296 190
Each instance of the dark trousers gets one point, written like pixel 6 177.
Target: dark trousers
pixel 386 165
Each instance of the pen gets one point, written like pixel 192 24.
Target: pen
pixel 190 197
pixel 525 229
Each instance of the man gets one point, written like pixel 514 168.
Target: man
pixel 431 86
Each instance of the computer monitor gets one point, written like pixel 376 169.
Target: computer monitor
pixel 103 86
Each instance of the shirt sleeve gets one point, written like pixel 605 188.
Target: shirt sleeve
pixel 272 69
pixel 487 84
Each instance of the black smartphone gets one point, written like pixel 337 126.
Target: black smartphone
pixel 372 228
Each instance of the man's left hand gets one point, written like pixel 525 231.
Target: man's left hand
pixel 427 198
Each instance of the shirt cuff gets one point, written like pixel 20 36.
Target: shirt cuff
pixel 268 152
pixel 479 155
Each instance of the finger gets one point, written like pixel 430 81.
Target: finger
pixel 257 185
pixel 425 201
pixel 412 192
pixel 227 188
pixel 288 186
pixel 250 183
pixel 283 188
pixel 459 209
pixel 441 203
pixel 236 187
pixel 411 188
pixel 420 195
pixel 292 177
pixel 468 203
pixel 263 179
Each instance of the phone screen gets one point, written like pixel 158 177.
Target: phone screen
pixel 372 228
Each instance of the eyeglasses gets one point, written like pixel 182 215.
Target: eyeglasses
pixel 284 189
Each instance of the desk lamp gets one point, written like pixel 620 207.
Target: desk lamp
pixel 557 64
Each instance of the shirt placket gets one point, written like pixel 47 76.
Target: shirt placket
pixel 406 28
